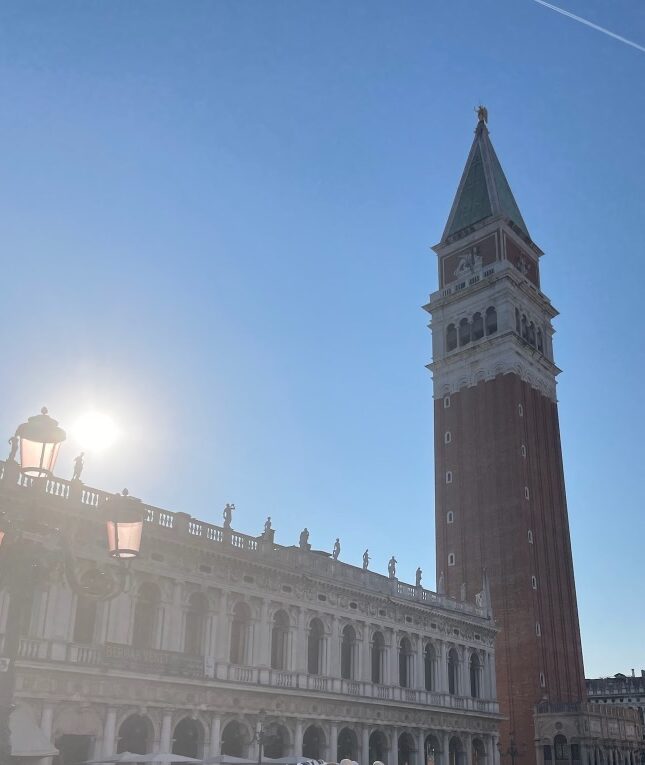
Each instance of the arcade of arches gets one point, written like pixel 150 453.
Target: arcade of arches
pixel 194 736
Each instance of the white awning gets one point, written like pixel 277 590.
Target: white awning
pixel 27 739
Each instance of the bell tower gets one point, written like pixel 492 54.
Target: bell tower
pixel 500 500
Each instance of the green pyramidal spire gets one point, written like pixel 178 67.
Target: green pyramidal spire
pixel 483 190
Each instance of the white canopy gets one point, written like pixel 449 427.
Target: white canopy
pixel 27 738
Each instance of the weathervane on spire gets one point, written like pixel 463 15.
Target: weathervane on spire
pixel 482 113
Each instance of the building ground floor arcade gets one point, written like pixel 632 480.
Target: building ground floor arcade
pixel 87 717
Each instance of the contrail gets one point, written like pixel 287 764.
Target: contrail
pixel 591 24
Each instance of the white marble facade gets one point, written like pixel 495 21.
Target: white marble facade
pixel 218 630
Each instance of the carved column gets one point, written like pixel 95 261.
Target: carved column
pixel 333 742
pixel 494 754
pixel 445 748
pixel 421 747
pixel 441 683
pixel 365 746
pixel 216 736
pixel 421 665
pixel 393 670
pixel 394 751
pixel 46 721
pixel 297 741
pixel 332 666
pixel 300 646
pixel 469 748
pixel 174 613
pixel 539 753
pixel 464 675
pixel 366 664
pixel 264 649
pixel 223 630
pixel 165 743
pixel 109 733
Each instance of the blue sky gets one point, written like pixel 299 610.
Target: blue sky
pixel 216 222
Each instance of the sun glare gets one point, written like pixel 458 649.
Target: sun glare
pixel 95 431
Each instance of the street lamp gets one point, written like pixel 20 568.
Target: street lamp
pixel 124 526
pixel 25 558
pixel 261 735
pixel 40 439
pixel 513 752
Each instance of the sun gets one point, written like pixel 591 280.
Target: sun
pixel 95 431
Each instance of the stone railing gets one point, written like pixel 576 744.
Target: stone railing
pixel 126 658
pixel 615 711
pixel 74 494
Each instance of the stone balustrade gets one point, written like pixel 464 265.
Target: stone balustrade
pixel 71 495
pixel 171 663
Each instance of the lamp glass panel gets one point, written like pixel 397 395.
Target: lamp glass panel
pixel 124 539
pixel 37 458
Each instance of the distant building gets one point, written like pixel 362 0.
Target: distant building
pixel 624 690
pixel 216 626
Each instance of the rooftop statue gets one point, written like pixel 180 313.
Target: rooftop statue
pixel 14 442
pixel 366 560
pixel 79 464
pixel 336 551
pixel 304 539
pixel 228 515
pixel 482 113
pixel 391 567
pixel 419 574
pixel 267 525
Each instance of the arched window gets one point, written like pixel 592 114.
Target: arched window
pixel 144 629
pixel 378 746
pixel 234 740
pixel 347 650
pixel 84 620
pixel 135 735
pixel 532 333
pixel 279 640
pixel 561 749
pixel 405 663
pixel 240 626
pixel 491 321
pixel 29 611
pixel 451 337
pixel 478 326
pixel 195 624
pixel 347 745
pixel 455 751
pixel 407 749
pixel 432 749
pixel 479 752
pixel 464 332
pixel 378 657
pixel 429 659
pixel 276 743
pixel 313 743
pixel 188 740
pixel 453 668
pixel 475 676
pixel 314 647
